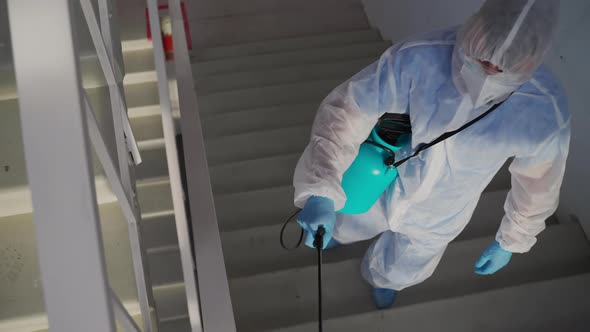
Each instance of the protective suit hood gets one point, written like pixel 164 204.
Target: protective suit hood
pixel 513 36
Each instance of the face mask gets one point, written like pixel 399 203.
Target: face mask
pixel 483 88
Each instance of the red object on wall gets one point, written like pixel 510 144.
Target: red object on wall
pixel 167 30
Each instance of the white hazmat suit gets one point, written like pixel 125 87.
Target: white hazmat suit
pixel 436 193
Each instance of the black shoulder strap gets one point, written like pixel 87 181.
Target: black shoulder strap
pixel 448 134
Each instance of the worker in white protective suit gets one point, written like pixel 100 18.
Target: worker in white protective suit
pixel 442 80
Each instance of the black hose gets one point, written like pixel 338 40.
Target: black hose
pixel 281 238
pixel 319 244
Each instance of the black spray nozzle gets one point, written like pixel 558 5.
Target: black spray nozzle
pixel 318 242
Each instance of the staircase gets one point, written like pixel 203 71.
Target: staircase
pixel 261 71
pixel 258 93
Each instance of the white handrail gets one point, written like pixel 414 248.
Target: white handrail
pixel 188 265
pixel 216 307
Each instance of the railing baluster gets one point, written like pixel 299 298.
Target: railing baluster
pixel 119 174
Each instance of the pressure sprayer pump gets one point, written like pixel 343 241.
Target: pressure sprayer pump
pixel 373 169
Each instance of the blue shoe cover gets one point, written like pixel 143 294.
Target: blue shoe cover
pixel 383 297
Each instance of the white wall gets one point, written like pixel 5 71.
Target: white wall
pixel 397 19
pixel 570 62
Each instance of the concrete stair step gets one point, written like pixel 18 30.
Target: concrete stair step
pixel 289 297
pixel 11 144
pixel 136 59
pixel 159 231
pixel 147 125
pixel 242 73
pixel 21 301
pixel 139 60
pixel 170 302
pixel 290 58
pixel 159 228
pixel 244 208
pixel 338 70
pixel 15 195
pixel 551 305
pixel 147 128
pixel 253 174
pixel 165 266
pixel 292 93
pixel 155 201
pixel 228 149
pixel 155 197
pixel 287 44
pixel 175 325
pixel 268 195
pixel 153 164
pixel 259 119
pixel 255 250
pixel 141 92
pixel 221 8
pixel 220 31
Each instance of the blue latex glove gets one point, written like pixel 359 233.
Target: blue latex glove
pixel 492 260
pixel 318 211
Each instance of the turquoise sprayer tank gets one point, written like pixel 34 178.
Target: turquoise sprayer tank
pixel 372 170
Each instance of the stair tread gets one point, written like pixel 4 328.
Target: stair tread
pixel 550 305
pixel 339 70
pixel 175 325
pixel 273 60
pixel 253 174
pixel 286 44
pixel 259 119
pixel 255 250
pixel 223 8
pixel 290 93
pixel 281 293
pixel 269 143
pixel 21 299
pixel 261 26
pixel 170 301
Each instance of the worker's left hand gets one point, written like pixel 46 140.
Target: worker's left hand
pixel 493 259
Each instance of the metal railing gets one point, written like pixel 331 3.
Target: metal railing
pixel 207 292
pixel 59 126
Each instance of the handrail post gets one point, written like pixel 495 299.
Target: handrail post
pixel 57 151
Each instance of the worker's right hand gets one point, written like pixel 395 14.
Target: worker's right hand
pixel 318 211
